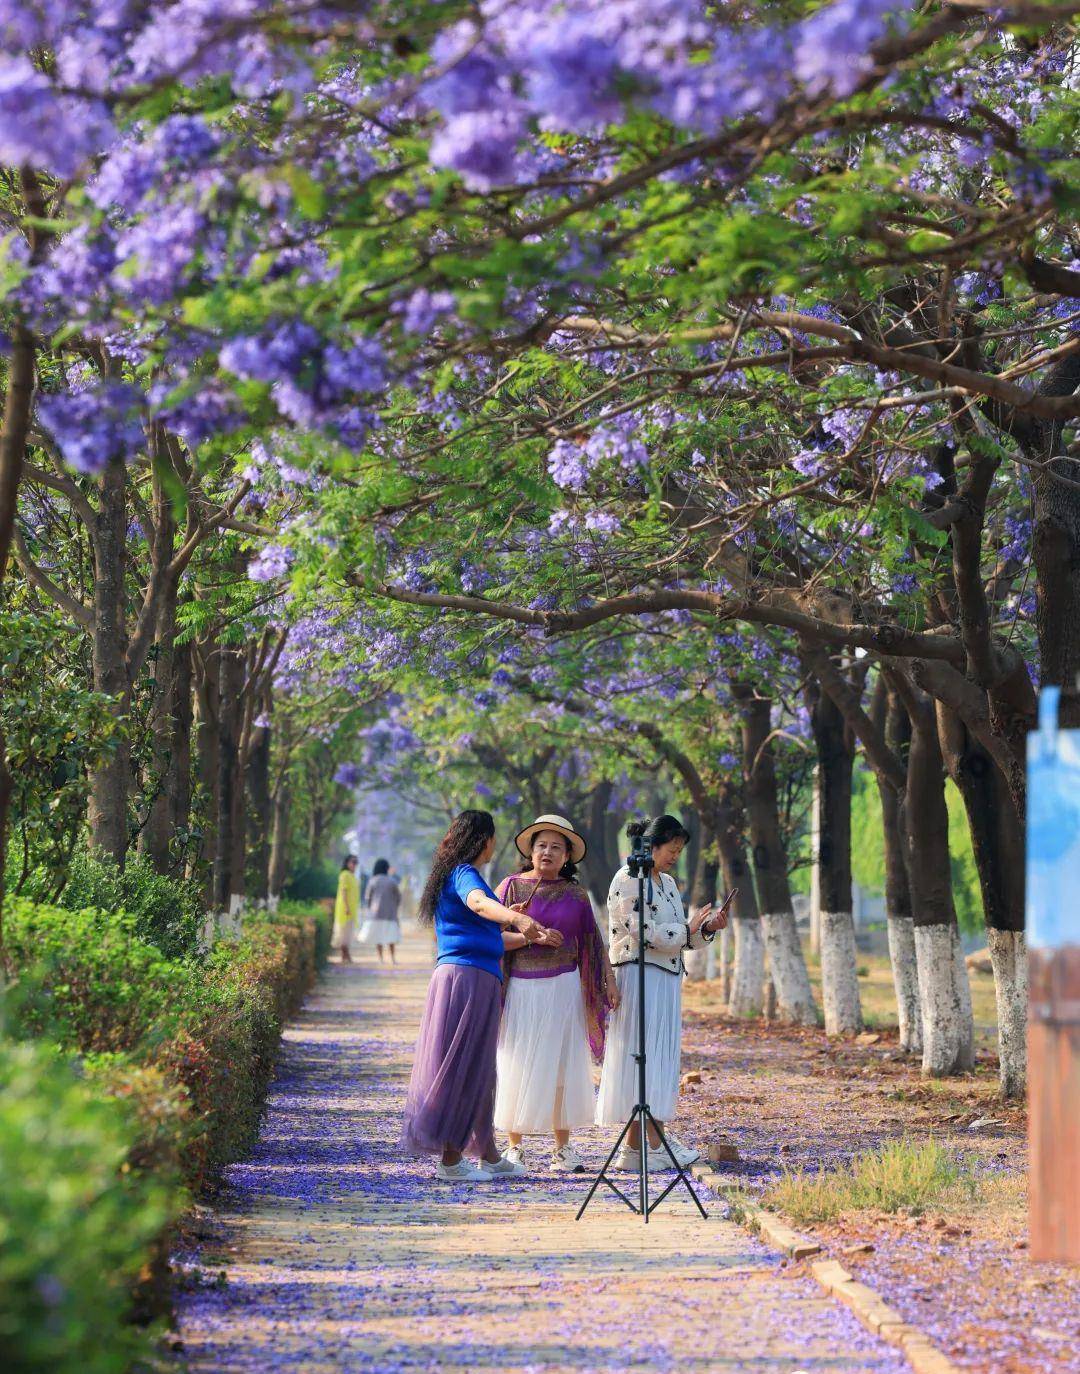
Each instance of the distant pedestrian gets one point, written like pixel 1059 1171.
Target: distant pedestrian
pixel 346 909
pixel 381 902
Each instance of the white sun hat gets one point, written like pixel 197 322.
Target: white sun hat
pixel 560 824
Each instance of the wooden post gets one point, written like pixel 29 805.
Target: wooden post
pixel 1053 913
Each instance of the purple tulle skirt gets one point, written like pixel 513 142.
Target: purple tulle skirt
pixel 452 1090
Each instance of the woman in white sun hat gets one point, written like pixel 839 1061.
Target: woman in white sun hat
pixel 557 1000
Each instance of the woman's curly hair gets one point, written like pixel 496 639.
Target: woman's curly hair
pixel 462 844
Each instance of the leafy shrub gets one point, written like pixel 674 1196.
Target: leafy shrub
pixel 166 912
pixel 313 882
pixel 211 1025
pixel 77 1224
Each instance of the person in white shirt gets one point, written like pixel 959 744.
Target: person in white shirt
pixel 668 933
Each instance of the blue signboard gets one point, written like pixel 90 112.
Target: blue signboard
pixel 1053 830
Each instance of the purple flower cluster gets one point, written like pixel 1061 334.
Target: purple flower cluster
pixel 271 563
pixel 314 383
pixel 349 775
pixel 572 464
pixel 577 67
pixel 96 425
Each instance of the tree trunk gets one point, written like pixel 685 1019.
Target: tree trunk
pixel 316 832
pixel 726 957
pixel 110 781
pixel 795 1001
pixel 997 841
pixel 944 993
pixel 1055 548
pixel 156 835
pixel 601 861
pixel 207 761
pixel 839 959
pixel 702 890
pixel 896 727
pixel 743 993
pixel 279 844
pixel 229 783
pixel 178 778
pixel 259 792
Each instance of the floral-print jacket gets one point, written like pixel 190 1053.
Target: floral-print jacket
pixel 666 931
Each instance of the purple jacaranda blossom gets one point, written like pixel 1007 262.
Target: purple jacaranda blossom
pixel 156 253
pixel 481 146
pixel 44 128
pixel 832 48
pixel 93 427
pixel 349 775
pixel 420 311
pixel 602 522
pixel 270 563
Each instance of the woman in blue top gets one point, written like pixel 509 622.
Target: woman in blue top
pixel 452 1090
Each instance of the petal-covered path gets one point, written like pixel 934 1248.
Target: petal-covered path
pixel 342 1255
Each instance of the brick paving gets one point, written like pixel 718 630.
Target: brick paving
pixel 339 1254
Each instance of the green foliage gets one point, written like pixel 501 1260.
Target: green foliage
pixel 55 729
pixel 77 1223
pixel 313 882
pixel 211 1025
pixel 165 911
pixel 908 1174
pixel 868 850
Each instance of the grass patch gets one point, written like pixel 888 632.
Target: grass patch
pixel 903 1175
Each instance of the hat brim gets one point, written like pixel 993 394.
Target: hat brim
pixel 524 839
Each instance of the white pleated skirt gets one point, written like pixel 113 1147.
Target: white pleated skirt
pixel 663 1040
pixel 374 932
pixel 544 1080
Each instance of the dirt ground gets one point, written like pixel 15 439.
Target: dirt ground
pixel 789 1099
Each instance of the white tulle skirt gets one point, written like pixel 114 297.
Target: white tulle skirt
pixel 663 1041
pixel 544 1079
pixel 374 932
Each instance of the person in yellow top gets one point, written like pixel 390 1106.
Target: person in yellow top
pixel 347 908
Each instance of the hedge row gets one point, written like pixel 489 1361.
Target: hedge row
pixel 126 1080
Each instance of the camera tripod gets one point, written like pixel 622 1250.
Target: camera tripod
pixel 640 865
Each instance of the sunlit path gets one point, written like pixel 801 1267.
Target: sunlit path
pixel 350 1258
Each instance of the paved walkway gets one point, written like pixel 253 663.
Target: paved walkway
pixel 340 1255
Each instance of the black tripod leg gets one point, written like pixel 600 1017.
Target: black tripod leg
pixel 601 1176
pixel 643 1159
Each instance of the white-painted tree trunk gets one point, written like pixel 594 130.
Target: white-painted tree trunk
pixel 905 976
pixel 839 979
pixel 727 952
pixel 963 998
pixel 749 973
pixel 948 1032
pixel 696 962
pixel 795 1001
pixel 1008 954
pixel 815 865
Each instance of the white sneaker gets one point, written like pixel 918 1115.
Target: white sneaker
pixel 630 1160
pixel 685 1154
pixel 504 1167
pixel 516 1155
pixel 461 1172
pixel 566 1160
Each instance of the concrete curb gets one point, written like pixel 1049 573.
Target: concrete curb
pixel 869 1307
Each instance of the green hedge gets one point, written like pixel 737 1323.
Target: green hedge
pixel 174 1056
pixel 77 1224
pixel 166 912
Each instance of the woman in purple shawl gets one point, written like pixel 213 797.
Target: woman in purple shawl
pixel 556 1002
